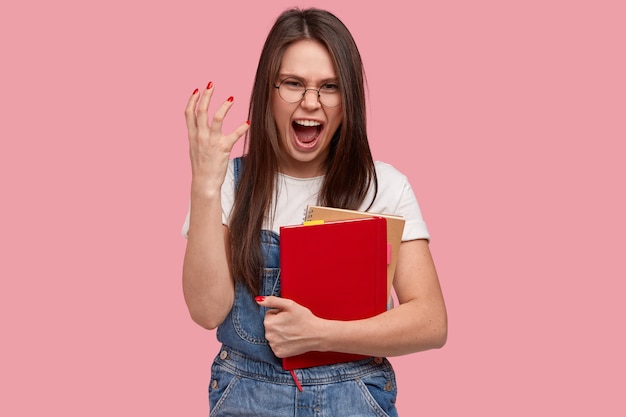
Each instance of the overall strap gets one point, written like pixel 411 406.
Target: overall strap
pixel 239 164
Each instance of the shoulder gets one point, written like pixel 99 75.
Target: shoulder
pixel 392 189
pixel 394 195
pixel 385 168
pixel 387 174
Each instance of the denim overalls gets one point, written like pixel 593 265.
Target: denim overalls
pixel 247 379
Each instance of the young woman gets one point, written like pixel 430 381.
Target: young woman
pixel 306 144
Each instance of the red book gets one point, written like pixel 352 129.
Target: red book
pixel 339 271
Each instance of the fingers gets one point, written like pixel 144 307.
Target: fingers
pixel 220 114
pixel 274 303
pixel 197 114
pixel 190 111
pixel 215 128
pixel 202 112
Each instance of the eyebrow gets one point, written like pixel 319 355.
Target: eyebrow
pixel 284 76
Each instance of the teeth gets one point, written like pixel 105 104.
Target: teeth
pixel 308 123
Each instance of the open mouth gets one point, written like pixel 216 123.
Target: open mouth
pixel 307 132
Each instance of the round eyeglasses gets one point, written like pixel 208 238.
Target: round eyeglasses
pixel 293 90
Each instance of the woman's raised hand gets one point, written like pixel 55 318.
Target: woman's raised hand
pixel 209 148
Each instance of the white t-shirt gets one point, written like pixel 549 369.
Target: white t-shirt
pixel 395 196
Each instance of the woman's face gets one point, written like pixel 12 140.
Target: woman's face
pixel 306 127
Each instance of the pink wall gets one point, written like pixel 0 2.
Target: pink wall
pixel 508 117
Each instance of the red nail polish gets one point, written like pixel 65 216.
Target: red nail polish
pixel 209 85
pixel 259 298
pixel 231 98
pixel 195 91
pixel 248 122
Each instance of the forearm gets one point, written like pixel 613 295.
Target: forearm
pixel 418 323
pixel 207 281
pixel 408 328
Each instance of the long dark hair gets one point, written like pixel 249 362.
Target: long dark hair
pixel 349 167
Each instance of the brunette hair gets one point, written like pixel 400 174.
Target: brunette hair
pixel 349 167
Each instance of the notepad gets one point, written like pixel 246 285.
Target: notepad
pixel 338 270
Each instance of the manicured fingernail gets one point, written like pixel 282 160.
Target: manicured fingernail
pixel 259 298
pixel 231 98
pixel 248 122
pixel 195 91
pixel 209 85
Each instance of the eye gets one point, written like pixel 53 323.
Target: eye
pixel 330 88
pixel 292 84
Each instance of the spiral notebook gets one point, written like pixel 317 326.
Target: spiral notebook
pixel 338 270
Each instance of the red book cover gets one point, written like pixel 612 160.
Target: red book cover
pixel 339 271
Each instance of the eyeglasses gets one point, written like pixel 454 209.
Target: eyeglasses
pixel 293 90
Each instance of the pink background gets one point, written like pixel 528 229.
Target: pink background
pixel 508 117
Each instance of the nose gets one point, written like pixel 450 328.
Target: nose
pixel 310 101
